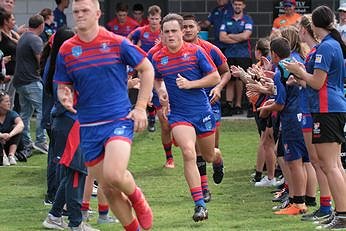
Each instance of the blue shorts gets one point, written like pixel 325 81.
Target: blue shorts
pixel 204 123
pixel 94 138
pixel 295 149
pixel 306 122
pixel 216 108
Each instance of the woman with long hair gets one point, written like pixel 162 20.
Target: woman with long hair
pixel 328 106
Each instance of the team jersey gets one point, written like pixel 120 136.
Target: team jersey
pixel 59 18
pixel 304 93
pixel 285 20
pixel 288 95
pixel 145 37
pixel 191 62
pixel 97 70
pixel 216 17
pixel 215 54
pixel 329 58
pixel 123 29
pixel 232 26
pixel 154 49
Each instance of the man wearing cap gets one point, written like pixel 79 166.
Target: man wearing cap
pixel 289 18
pixel 341 27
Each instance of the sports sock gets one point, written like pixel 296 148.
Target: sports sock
pixel 103 209
pixel 326 204
pixel 258 176
pixel 310 201
pixel 152 112
pixel 197 196
pixel 168 150
pixel 133 226
pixel 85 206
pixel 298 199
pixel 290 200
pixel 135 196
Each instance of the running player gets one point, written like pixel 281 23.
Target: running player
pixel 186 69
pixel 99 83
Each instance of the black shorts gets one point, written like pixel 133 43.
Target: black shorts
pixel 280 151
pixel 328 127
pixel 244 63
pixel 261 123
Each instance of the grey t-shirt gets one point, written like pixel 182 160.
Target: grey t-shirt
pixel 27 66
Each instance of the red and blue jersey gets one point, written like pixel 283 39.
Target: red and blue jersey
pixel 191 62
pixel 232 26
pixel 304 92
pixel 215 54
pixel 97 71
pixel 154 49
pixel 329 58
pixel 123 29
pixel 145 37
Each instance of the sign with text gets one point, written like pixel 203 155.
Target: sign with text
pixel 302 7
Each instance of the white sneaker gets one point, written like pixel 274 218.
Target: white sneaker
pixel 279 182
pixel 83 227
pixel 5 161
pixel 265 182
pixel 12 160
pixel 52 222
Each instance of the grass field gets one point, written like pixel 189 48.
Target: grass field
pixel 236 204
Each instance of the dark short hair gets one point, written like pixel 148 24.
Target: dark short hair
pixel 189 17
pixel 58 2
pixel 121 7
pixel 281 47
pixel 35 21
pixel 46 12
pixel 138 7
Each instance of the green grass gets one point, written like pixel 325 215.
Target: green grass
pixel 236 204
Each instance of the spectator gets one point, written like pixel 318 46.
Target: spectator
pixel 216 17
pixel 138 14
pixel 235 32
pixel 59 15
pixel 49 25
pixel 341 26
pixel 8 43
pixel 27 81
pixel 289 18
pixel 9 5
pixel 10 130
pixel 122 24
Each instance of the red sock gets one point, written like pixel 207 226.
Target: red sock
pixel 85 206
pixel 135 196
pixel 133 226
pixel 196 193
pixel 204 182
pixel 103 209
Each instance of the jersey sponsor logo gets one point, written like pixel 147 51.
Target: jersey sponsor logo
pixel 318 58
pixel 115 27
pixel 229 23
pixel 119 131
pixel 186 56
pixel 222 27
pixel 164 60
pixel 316 131
pixel 242 23
pixel 216 13
pixel 207 122
pixel 300 117
pixel 77 51
pixel 146 35
pixel 104 47
pixel 248 26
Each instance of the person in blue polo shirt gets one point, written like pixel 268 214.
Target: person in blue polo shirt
pixel 235 32
pixel 59 15
pixel 328 106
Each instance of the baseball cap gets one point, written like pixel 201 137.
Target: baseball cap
pixel 342 7
pixel 289 3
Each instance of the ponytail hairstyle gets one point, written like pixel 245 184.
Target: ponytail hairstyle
pixel 306 23
pixel 323 17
